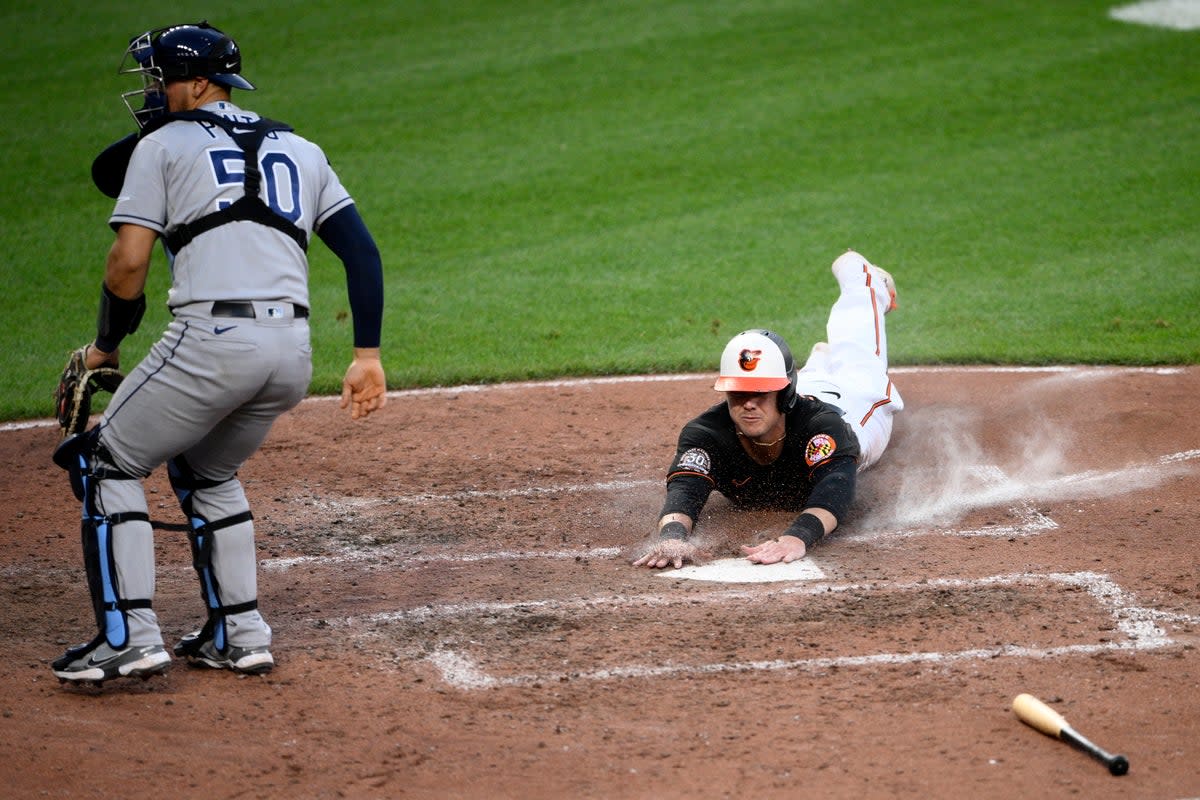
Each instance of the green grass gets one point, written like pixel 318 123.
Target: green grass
pixel 569 188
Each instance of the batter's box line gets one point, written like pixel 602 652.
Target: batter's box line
pixel 1100 586
pixel 428 498
pixel 496 608
pixel 385 557
pixel 1137 623
pixel 460 672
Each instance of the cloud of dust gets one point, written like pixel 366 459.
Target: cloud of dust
pixel 940 479
pixel 945 470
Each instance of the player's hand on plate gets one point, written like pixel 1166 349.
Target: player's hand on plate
pixel 666 553
pixel 785 549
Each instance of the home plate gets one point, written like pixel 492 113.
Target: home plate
pixel 739 570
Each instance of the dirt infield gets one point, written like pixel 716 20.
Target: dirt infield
pixel 455 615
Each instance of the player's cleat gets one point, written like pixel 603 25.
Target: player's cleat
pixel 849 266
pixel 96 662
pixel 246 660
pixel 890 285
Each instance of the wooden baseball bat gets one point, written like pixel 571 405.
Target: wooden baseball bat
pixel 1037 714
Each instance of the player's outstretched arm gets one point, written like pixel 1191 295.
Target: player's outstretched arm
pixel 364 388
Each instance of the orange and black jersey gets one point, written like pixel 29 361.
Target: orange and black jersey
pixel 817 467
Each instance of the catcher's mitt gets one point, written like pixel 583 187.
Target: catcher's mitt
pixel 73 397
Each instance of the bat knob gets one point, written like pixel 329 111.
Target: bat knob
pixel 1119 765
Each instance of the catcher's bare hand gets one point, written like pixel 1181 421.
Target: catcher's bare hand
pixel 668 552
pixel 786 549
pixel 94 357
pixel 364 388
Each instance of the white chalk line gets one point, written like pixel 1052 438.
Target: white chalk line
pixel 1098 585
pixel 427 498
pixel 574 383
pixel 461 673
pixel 379 556
pixel 1138 624
pixel 371 559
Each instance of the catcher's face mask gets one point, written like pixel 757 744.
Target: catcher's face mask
pixel 178 52
pixel 149 99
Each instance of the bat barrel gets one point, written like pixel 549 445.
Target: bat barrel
pixel 1117 764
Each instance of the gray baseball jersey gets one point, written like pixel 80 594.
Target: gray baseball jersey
pixel 183 171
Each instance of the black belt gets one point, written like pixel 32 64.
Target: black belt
pixel 245 309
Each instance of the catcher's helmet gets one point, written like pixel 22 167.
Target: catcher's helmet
pixel 759 361
pixel 178 52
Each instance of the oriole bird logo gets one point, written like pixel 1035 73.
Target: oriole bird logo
pixel 748 359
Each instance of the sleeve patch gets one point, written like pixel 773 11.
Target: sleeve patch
pixel 695 460
pixel 819 448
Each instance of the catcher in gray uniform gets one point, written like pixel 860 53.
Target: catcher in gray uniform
pixel 235 199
